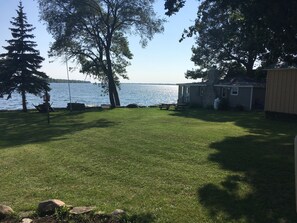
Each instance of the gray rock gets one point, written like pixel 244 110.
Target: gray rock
pixel 5 211
pixel 102 216
pixel 26 214
pixel 48 207
pixel 26 220
pixel 118 213
pixel 81 210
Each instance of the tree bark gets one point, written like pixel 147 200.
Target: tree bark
pixel 249 66
pixel 112 88
pixel 24 101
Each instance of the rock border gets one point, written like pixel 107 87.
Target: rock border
pixel 58 211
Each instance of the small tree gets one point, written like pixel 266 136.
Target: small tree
pixel 19 66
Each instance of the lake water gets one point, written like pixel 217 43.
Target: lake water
pixel 91 95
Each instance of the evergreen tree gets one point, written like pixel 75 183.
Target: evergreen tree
pixel 19 65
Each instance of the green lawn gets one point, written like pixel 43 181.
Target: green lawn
pixel 161 166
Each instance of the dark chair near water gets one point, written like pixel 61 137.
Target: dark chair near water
pixel 42 108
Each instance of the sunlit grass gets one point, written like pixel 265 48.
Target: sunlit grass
pixel 174 166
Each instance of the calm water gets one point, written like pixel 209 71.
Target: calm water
pixel 91 95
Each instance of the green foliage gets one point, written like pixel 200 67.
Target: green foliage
pixel 62 214
pixel 173 6
pixel 246 34
pixel 94 33
pixel 19 66
pixel 227 39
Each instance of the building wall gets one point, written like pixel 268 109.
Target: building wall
pixel 210 94
pixel 183 94
pixel 281 91
pixel 195 95
pixel 242 99
pixel 203 96
pixel 258 98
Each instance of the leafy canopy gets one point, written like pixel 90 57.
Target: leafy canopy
pixel 238 36
pixel 95 34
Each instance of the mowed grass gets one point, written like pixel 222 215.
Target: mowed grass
pixel 161 166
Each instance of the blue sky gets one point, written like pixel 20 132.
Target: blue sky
pixel 164 60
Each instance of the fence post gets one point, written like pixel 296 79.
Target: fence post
pixel 295 151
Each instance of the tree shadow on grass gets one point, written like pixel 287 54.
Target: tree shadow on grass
pixel 260 184
pixel 263 164
pixel 140 218
pixel 18 128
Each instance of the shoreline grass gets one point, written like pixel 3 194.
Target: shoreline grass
pixel 170 166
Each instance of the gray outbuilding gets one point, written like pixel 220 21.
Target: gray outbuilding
pixel 240 93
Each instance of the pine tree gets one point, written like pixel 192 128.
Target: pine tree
pixel 19 66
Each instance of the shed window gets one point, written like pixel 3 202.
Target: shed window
pixel 234 91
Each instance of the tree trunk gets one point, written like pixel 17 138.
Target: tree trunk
pixel 112 88
pixel 24 101
pixel 113 93
pixel 249 66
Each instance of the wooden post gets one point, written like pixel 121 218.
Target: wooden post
pixel 46 101
pixel 47 111
pixel 296 171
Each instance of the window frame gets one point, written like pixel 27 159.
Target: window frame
pixel 234 91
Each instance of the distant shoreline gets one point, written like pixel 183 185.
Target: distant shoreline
pixel 53 80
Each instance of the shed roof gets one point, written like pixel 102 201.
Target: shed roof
pixel 193 84
pixel 234 82
pixel 241 81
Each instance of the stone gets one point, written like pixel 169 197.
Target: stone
pixel 26 220
pixel 117 215
pixel 5 211
pixel 81 210
pixel 26 214
pixel 48 207
pixel 118 212
pixel 102 216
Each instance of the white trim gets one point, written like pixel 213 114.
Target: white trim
pixel 193 84
pixel 226 85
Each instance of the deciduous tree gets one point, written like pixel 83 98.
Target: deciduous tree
pixel 95 34
pixel 234 34
pixel 227 40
